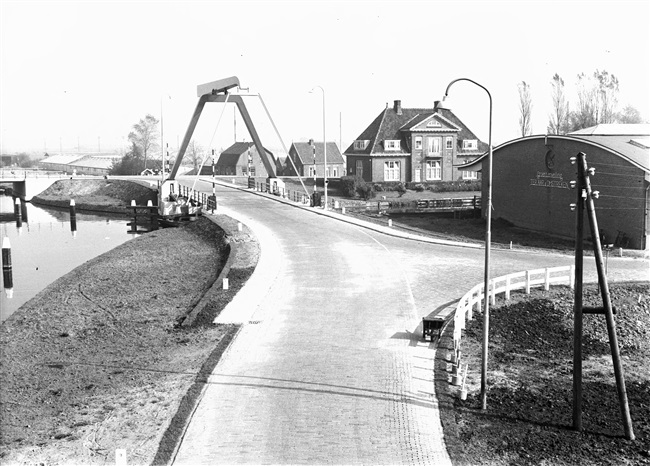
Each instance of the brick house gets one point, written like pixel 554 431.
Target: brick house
pixel 234 161
pixel 309 159
pixel 414 144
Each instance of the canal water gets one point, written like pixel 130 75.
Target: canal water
pixel 44 248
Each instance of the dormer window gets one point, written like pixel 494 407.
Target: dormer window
pixel 433 124
pixel 361 144
pixel 392 144
pixel 470 144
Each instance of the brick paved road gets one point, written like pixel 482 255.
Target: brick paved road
pixel 329 367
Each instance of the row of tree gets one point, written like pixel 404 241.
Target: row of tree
pixel 144 152
pixel 597 102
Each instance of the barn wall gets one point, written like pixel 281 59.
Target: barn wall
pixel 531 188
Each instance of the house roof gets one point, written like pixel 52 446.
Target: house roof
pixel 614 129
pixel 631 149
pixel 231 155
pixel 63 159
pixel 396 123
pixel 305 152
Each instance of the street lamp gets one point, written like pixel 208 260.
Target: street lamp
pixel 488 238
pixel 324 146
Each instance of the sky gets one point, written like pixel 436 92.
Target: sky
pixel 76 76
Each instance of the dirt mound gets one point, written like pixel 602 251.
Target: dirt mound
pixel 98 195
pixel 528 420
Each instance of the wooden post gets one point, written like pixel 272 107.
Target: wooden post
pixel 577 303
pixel 607 303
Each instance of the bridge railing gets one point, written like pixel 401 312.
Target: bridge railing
pixel 13 174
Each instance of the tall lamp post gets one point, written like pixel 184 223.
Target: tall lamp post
pixel 488 240
pixel 324 146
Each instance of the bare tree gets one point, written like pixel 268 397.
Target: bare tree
pixel 629 114
pixel 597 100
pixel 195 153
pixel 145 135
pixel 586 113
pixel 607 96
pixel 525 108
pixel 558 121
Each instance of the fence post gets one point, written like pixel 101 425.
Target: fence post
pixel 547 278
pixel 493 295
pixel 527 281
pixel 572 275
pixel 507 286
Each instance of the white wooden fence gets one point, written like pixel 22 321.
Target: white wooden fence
pixel 506 284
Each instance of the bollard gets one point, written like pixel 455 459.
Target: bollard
pixel 18 213
pixel 390 222
pixel 343 209
pixel 225 283
pixel 7 273
pixel 239 226
pixel 73 218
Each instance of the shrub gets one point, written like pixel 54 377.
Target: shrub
pixel 366 191
pixel 378 187
pixel 349 184
pixel 401 189
pixel 419 187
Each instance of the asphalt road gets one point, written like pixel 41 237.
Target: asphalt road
pixel 329 367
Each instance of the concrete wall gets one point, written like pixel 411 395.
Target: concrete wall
pixel 530 188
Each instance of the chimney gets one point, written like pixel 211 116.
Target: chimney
pixel 435 105
pixel 397 106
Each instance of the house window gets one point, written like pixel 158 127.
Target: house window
pixel 433 145
pixel 391 171
pixel 449 142
pixel 470 144
pixel 469 175
pixel 391 144
pixel 433 124
pixel 361 144
pixel 335 171
pixel 434 170
pixel 312 171
pixel 359 168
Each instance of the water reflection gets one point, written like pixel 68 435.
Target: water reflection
pixel 44 247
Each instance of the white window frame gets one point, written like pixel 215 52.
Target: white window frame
pixel 469 175
pixel 312 171
pixel 359 168
pixel 418 143
pixel 392 170
pixel 433 170
pixel 433 143
pixel 470 144
pixel 360 144
pixel 449 142
pixel 433 124
pixel 392 144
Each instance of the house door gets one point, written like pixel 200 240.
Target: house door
pixel 418 175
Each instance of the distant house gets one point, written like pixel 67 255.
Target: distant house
pixel 80 164
pixel 309 160
pixel 235 161
pixel 414 144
